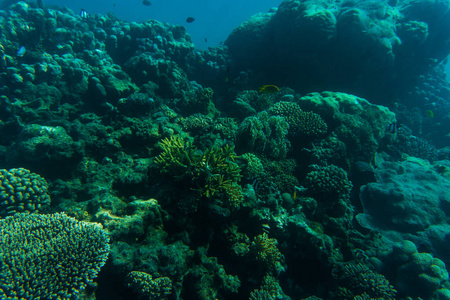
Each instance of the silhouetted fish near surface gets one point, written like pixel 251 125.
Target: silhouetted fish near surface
pixel 83 14
pixel 190 19
pixel 146 3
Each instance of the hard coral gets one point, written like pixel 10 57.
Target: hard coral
pixel 49 256
pixel 211 173
pixel 301 123
pixel 147 287
pixel 22 191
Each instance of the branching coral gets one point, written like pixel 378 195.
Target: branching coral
pixel 357 280
pixel 147 287
pixel 211 173
pixel 329 182
pixel 267 252
pixel 301 123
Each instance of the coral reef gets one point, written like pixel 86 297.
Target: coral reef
pixel 49 256
pixel 232 172
pixel 371 48
pixel 22 191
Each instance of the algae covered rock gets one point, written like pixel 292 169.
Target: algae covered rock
pixel 44 147
pixel 407 197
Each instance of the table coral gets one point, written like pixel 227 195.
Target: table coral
pixel 49 256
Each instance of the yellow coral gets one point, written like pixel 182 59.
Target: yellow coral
pixel 267 252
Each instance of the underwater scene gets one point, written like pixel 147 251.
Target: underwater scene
pixel 305 157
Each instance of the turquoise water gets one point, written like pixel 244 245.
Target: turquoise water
pixel 214 20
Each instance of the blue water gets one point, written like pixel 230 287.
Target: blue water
pixel 214 20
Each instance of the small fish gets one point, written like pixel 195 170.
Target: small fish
pixel 255 184
pixel 393 128
pixel 294 194
pixel 83 14
pixel 190 19
pixel 429 113
pixel 265 228
pixel 21 51
pixel 268 89
pixel 206 40
pixel 146 3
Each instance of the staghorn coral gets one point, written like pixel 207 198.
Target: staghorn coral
pixel 49 256
pixel 147 287
pixel 357 281
pixel 22 191
pixel 301 123
pixel 211 173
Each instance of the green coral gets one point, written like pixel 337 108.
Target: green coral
pixel 264 134
pixel 211 173
pixel 253 166
pixel 357 281
pixel 49 256
pixel 301 123
pixel 22 191
pixel 328 182
pixel 147 287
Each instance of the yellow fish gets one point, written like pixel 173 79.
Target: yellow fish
pixel 268 89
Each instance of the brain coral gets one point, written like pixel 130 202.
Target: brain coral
pixel 301 123
pixel 21 190
pixel 49 256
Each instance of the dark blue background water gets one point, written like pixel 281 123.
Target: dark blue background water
pixel 214 19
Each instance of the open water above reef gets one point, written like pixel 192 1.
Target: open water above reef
pixel 305 158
